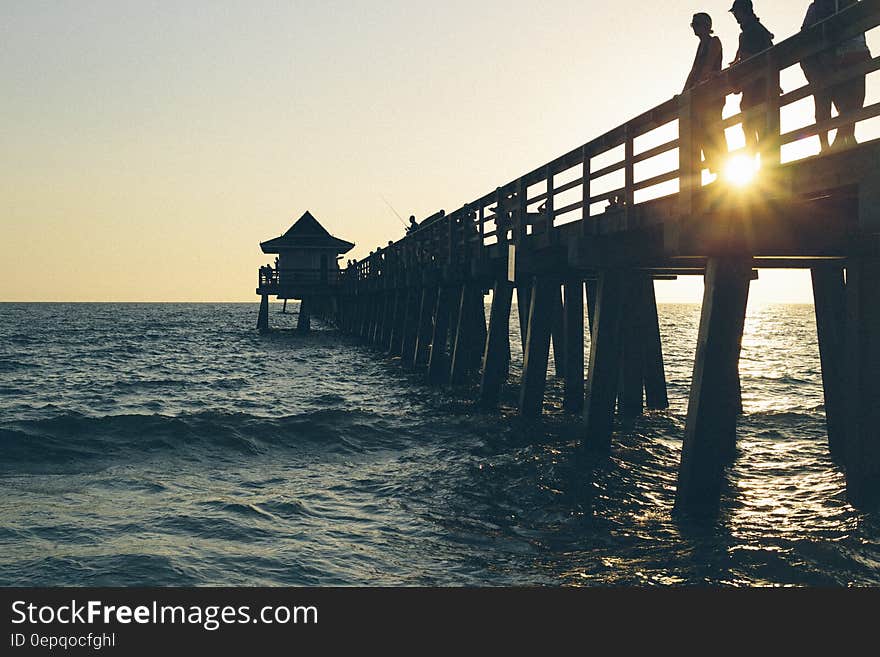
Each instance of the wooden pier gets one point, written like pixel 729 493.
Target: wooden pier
pixel 550 236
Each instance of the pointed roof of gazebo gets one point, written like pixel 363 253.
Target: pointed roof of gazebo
pixel 306 233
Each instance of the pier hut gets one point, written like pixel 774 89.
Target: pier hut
pixel 306 268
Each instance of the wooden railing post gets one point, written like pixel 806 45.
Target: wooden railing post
pixel 482 229
pixel 586 224
pixel 629 176
pixel 688 172
pixel 450 238
pixel 771 155
pixel 520 226
pixel 548 207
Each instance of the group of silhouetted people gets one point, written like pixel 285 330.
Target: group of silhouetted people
pixel 266 273
pixel 848 96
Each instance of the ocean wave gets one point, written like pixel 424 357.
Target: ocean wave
pixel 69 440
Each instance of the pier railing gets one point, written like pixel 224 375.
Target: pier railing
pixel 276 280
pixel 653 155
pixel 422 298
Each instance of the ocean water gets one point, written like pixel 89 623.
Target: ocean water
pixel 170 444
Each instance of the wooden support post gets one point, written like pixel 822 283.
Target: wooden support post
pixel 479 336
pixel 373 310
pixel 263 317
pixel 862 345
pixel 712 412
pixel 366 313
pixel 592 293
pixel 364 309
pixel 400 312
pixel 523 305
pixel 425 325
pixel 656 395
pixel 410 325
pixel 537 351
pixel 453 310
pixel 632 371
pixel 573 399
pixel 303 321
pixel 557 331
pixel 829 296
pixel 355 314
pixel 376 312
pixel 604 361
pixel 464 335
pixel 438 362
pixel 351 315
pixel 284 308
pixel 383 319
pixel 496 355
pixel 390 319
pixel 736 378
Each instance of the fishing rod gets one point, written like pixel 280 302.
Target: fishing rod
pixel 396 214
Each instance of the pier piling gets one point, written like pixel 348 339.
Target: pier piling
pixel 523 306
pixel 263 316
pixel 425 325
pixel 304 320
pixel 496 355
pixel 543 297
pixel 604 370
pixel 829 296
pixel 557 333
pixel 573 332
pixel 711 419
pixel 410 324
pixel 656 396
pixel 862 343
pixel 438 366
pixel 630 397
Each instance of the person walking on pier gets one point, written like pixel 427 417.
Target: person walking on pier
pixel 708 133
pixel 754 38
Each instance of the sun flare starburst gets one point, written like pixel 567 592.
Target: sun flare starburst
pixel 740 170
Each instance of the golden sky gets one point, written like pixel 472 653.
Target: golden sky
pixel 149 146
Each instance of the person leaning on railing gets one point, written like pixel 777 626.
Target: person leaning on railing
pixel 753 39
pixel 708 133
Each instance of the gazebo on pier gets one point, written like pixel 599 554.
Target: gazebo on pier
pixel 306 268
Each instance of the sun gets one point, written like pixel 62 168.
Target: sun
pixel 740 170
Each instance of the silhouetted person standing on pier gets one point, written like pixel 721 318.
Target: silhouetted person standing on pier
pixel 707 115
pixel 848 96
pixel 753 39
pixel 820 67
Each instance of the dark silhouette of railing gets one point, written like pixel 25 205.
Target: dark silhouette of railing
pixel 272 281
pixel 517 211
